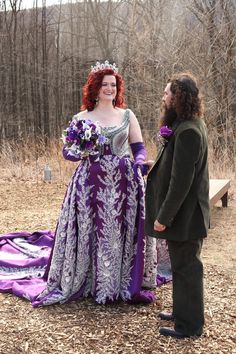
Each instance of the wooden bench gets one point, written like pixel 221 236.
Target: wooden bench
pixel 219 191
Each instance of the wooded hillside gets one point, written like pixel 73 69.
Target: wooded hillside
pixel 46 54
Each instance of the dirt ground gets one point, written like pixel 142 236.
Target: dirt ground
pixel 86 328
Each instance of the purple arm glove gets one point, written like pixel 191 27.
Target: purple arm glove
pixel 140 154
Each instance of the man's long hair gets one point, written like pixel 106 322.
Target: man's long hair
pixel 186 104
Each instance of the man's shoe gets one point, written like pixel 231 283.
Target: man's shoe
pixel 165 331
pixel 165 316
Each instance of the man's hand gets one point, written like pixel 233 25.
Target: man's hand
pixel 159 227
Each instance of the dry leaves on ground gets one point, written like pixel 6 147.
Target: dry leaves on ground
pixel 84 327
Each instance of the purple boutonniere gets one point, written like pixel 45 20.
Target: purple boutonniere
pixel 164 135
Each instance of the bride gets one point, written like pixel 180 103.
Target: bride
pixel 98 248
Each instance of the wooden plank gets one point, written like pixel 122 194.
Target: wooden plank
pixel 219 190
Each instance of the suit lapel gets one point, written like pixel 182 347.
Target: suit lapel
pixel 160 151
pixel 162 147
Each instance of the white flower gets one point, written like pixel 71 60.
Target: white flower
pixel 85 126
pixel 74 150
pixel 74 119
pixel 98 128
pixel 87 134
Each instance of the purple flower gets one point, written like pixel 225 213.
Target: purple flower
pixel 84 136
pixel 89 145
pixel 93 126
pixel 101 139
pixel 72 134
pixel 166 132
pixel 79 124
pixel 78 140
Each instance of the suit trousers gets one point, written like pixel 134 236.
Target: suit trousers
pixel 187 272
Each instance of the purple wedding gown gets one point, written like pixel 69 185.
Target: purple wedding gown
pixel 99 243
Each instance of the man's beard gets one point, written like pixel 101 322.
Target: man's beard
pixel 168 115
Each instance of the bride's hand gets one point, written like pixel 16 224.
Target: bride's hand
pixel 145 166
pixel 149 163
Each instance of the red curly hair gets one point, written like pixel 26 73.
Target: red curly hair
pixel 93 85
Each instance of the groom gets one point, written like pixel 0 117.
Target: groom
pixel 177 206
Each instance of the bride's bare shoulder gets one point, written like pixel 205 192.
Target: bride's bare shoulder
pixel 121 111
pixel 82 115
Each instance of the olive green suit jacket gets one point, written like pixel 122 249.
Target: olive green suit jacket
pixel 177 193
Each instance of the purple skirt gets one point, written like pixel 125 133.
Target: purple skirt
pixel 98 248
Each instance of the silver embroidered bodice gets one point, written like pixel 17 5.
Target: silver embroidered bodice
pixel 118 137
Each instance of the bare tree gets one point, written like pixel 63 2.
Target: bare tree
pixel 46 53
pixel 217 18
pixel 45 91
pixel 11 25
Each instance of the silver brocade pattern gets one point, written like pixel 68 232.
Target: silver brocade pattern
pixel 99 242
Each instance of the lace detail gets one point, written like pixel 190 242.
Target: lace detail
pixel 99 239
pixel 150 269
pixel 68 268
pixel 131 234
pixel 21 273
pixel 109 244
pixel 157 263
pixel 29 249
pixel 163 267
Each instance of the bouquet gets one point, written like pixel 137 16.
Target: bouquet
pixel 164 134
pixel 83 137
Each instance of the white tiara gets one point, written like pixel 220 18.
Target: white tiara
pixel 105 65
